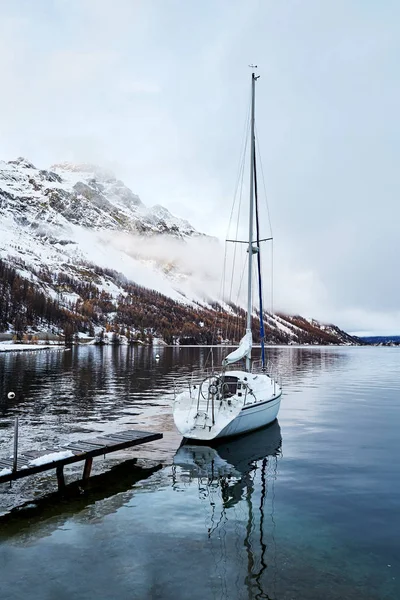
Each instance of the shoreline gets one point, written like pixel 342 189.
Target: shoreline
pixel 5 347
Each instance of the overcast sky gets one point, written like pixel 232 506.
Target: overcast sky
pixel 158 91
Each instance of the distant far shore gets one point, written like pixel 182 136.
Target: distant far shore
pixel 15 347
pixel 20 347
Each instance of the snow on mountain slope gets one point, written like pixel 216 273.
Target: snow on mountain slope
pixel 103 189
pixel 84 195
pixel 72 218
pixel 75 214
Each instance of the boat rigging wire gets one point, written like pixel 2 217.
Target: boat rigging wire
pixel 260 294
pixel 239 181
pixel 269 220
pixel 233 325
pixel 238 194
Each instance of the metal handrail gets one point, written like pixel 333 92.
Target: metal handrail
pixel 198 375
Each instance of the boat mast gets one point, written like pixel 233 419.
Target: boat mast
pixel 250 248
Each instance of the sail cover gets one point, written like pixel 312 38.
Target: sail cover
pixel 243 350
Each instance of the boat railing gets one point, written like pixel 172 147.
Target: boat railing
pixel 204 400
pixel 199 375
pixel 269 369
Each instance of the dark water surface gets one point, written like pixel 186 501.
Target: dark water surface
pixel 308 508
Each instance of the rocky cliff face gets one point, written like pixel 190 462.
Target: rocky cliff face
pixel 82 195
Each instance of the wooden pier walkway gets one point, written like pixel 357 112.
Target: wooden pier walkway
pixel 36 461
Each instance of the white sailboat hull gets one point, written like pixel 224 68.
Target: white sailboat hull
pixel 252 417
pixel 254 404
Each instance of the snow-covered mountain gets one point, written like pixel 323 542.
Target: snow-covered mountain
pixel 76 225
pixel 70 215
pixel 83 195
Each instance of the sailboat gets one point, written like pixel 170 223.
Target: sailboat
pixel 232 400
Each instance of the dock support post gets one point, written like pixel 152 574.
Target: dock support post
pixel 60 478
pixel 87 468
pixel 15 464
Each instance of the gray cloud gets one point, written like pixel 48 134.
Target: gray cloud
pixel 158 91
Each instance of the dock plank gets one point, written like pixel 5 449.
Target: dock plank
pixel 81 449
pixel 131 434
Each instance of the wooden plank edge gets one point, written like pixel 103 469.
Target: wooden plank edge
pixel 20 474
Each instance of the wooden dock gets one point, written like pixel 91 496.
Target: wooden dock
pixel 36 461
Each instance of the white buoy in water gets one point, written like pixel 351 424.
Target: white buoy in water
pixel 11 395
pixel 157 357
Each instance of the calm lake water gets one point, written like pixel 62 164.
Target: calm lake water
pixel 308 508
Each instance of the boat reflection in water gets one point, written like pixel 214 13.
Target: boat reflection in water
pixel 236 478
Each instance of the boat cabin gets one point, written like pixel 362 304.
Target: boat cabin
pixel 231 385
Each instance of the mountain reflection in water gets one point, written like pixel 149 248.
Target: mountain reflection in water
pixel 238 520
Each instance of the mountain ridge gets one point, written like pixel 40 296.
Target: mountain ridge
pixel 76 245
